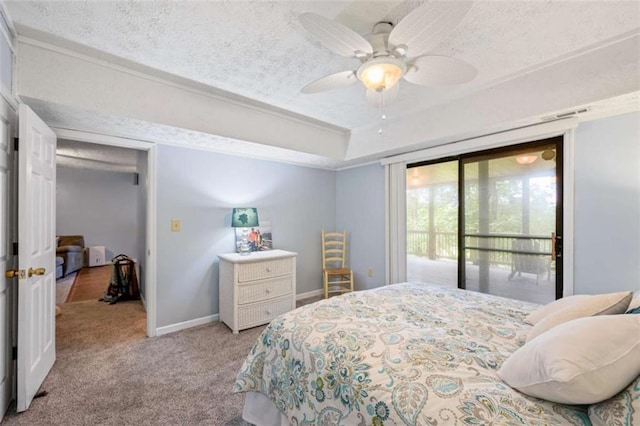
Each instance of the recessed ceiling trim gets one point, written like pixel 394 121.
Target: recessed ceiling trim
pixel 487 141
pixel 88 85
pixel 57 44
pixel 603 73
pixel 145 144
pixel 551 62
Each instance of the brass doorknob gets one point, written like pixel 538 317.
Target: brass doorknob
pixel 37 271
pixel 15 273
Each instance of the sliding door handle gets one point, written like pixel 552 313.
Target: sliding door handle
pixel 556 246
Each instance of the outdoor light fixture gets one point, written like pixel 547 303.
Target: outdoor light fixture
pixel 526 159
pixel 548 154
pixel 244 218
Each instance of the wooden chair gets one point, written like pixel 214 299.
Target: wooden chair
pixel 336 277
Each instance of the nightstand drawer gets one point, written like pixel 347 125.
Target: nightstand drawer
pixel 269 289
pixel 263 312
pixel 261 270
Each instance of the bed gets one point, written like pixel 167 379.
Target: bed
pixel 408 353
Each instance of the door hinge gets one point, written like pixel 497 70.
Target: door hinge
pixel 16 143
pixel 14 353
pixel 15 249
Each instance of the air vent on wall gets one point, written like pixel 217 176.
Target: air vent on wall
pixel 566 114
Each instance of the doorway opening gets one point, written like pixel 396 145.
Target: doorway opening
pixel 101 203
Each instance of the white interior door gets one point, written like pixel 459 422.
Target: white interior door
pixel 36 254
pixel 7 120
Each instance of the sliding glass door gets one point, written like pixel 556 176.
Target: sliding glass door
pixel 432 223
pixel 489 221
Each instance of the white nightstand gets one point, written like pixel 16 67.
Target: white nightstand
pixel 255 289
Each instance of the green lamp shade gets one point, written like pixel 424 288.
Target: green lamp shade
pixel 244 217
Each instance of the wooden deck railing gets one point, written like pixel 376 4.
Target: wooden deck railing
pixel 501 247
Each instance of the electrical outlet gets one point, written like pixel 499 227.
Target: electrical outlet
pixel 176 225
pixel 370 272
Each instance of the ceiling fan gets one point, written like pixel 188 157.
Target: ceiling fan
pixel 393 52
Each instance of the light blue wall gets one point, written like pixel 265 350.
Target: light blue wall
pixel 607 209
pixel 607 205
pixel 101 205
pixel 200 188
pixel 360 210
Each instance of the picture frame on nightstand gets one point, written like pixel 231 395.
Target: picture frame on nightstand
pixel 260 237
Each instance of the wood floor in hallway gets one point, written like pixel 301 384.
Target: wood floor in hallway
pixel 90 284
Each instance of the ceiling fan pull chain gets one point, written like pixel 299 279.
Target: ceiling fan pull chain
pixel 382 105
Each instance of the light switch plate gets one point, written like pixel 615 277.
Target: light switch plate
pixel 176 225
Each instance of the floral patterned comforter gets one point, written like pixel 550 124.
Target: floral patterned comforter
pixel 409 353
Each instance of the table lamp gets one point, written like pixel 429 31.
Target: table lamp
pixel 244 218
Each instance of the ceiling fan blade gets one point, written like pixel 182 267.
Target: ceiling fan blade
pixel 331 81
pixel 439 71
pixel 335 36
pixel 383 98
pixel 428 25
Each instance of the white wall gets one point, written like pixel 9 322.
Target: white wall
pixel 6 58
pixel 200 188
pixel 607 205
pixel 360 210
pixel 100 205
pixel 142 217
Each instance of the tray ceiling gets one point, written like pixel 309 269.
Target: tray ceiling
pixel 259 50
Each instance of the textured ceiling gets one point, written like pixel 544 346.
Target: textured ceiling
pixel 96 157
pixel 259 50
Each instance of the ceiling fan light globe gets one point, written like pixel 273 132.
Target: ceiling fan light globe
pixel 381 73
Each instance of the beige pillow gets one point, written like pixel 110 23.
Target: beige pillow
pixel 583 361
pixel 582 305
pixel 603 304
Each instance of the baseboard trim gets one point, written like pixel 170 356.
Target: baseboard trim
pixel 214 318
pixel 308 294
pixel 187 324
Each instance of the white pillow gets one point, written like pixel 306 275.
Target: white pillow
pixel 582 305
pixel 583 361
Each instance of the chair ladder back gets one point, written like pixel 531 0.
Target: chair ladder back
pixel 333 249
pixel 336 277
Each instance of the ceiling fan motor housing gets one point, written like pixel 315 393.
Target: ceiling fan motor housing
pixel 379 38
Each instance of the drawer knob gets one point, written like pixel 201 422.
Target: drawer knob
pixel 268 312
pixel 268 291
pixel 268 269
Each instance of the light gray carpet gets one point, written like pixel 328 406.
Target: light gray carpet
pixel 63 286
pixel 108 373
